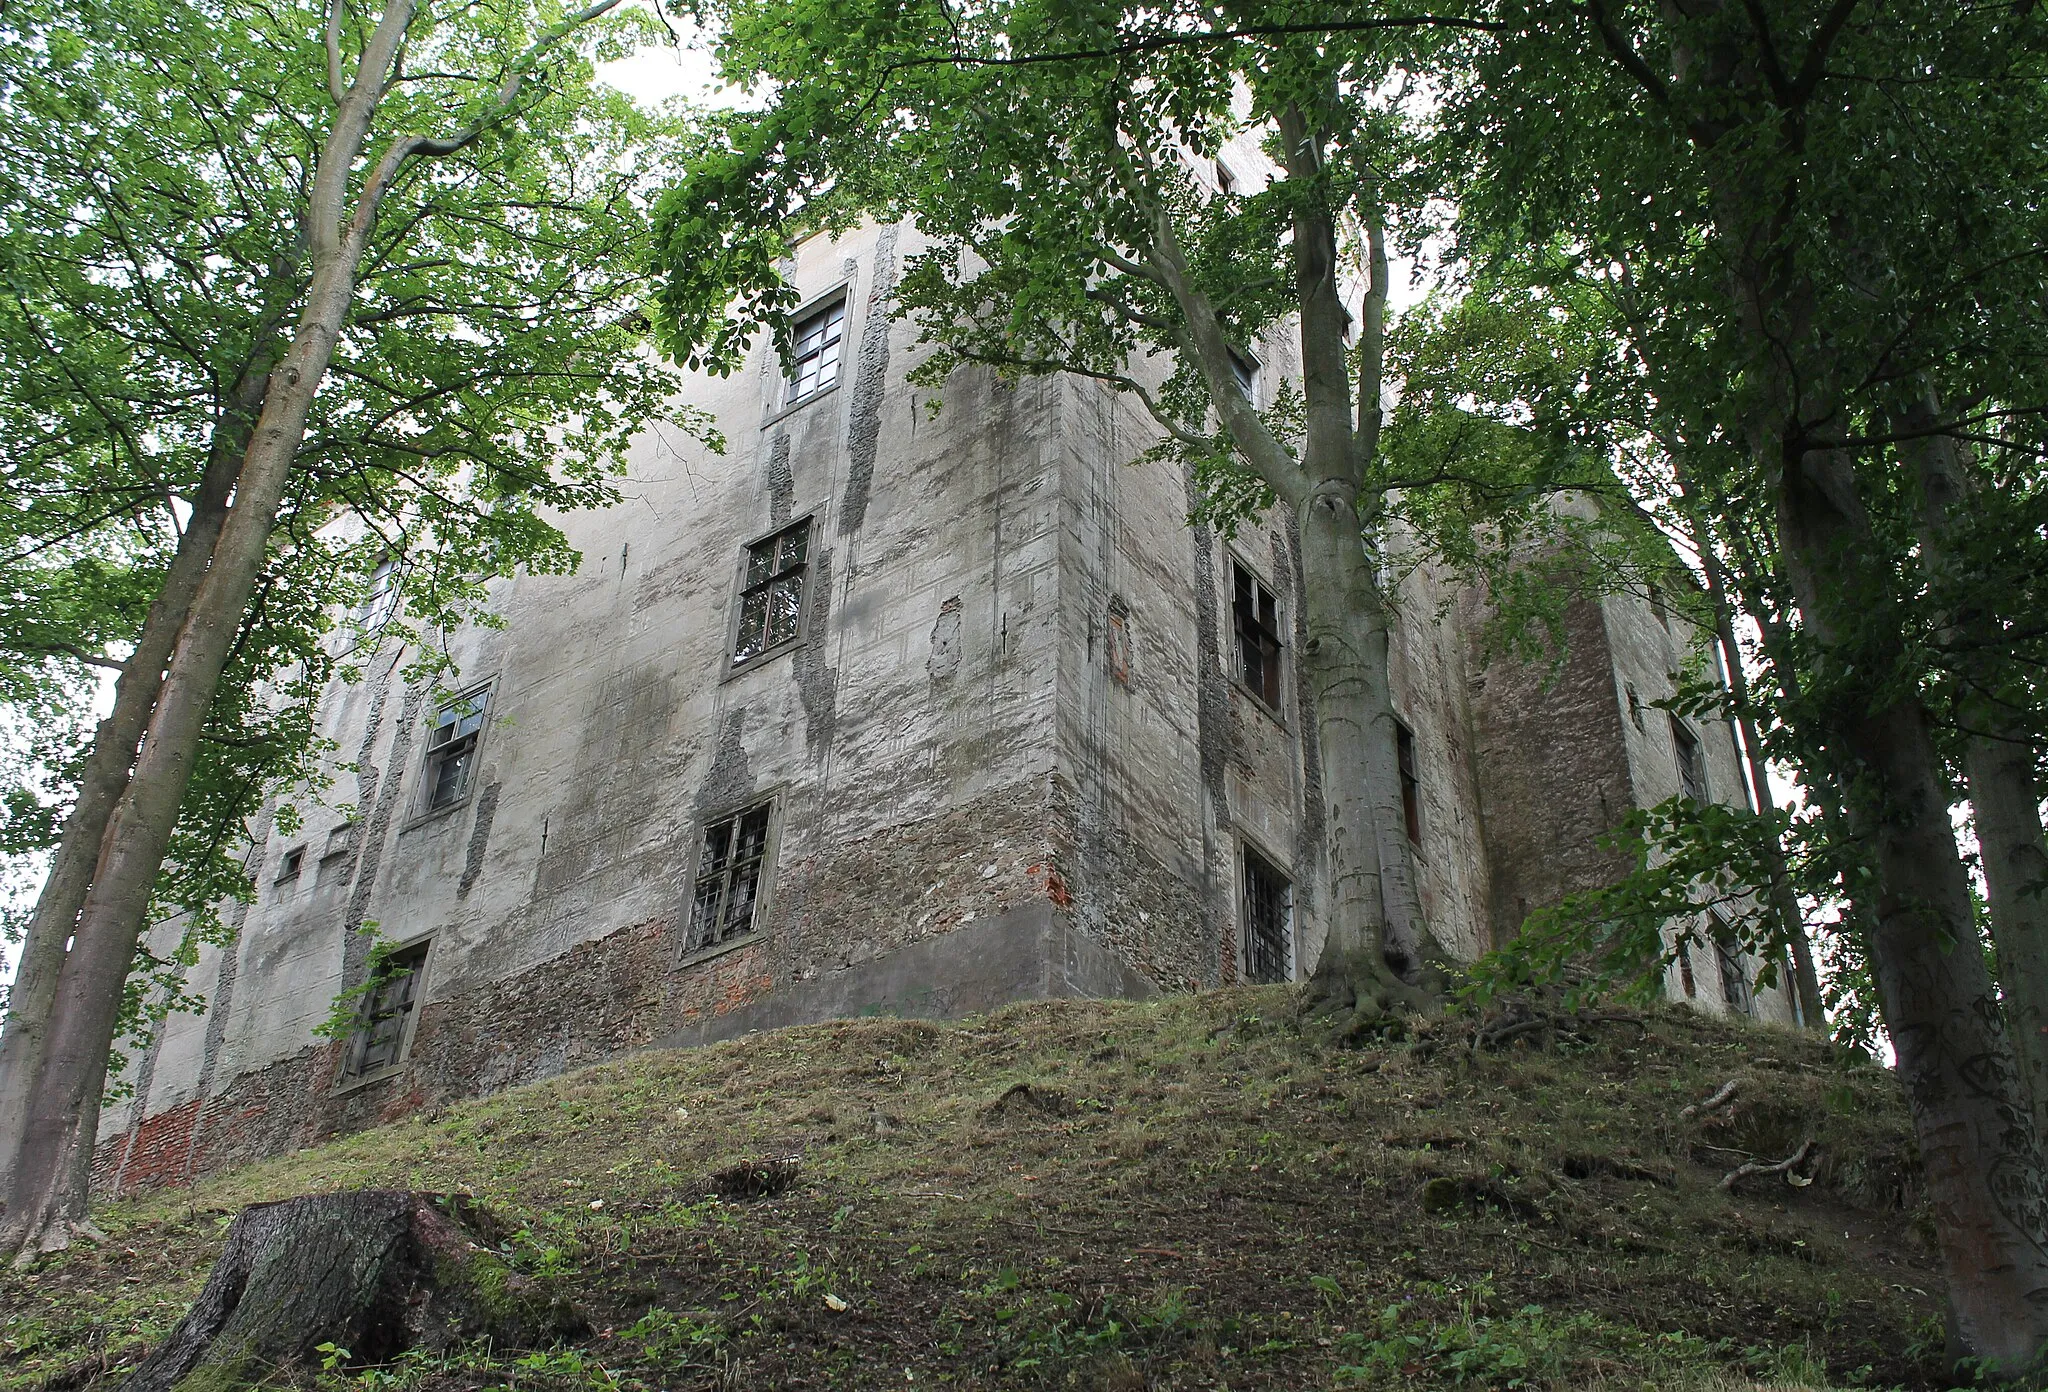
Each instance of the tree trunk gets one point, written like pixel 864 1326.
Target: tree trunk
pixel 1983 1167
pixel 50 1187
pixel 111 759
pixel 374 1273
pixel 1998 764
pixel 2006 800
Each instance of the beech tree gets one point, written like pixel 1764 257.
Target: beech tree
pixel 1060 162
pixel 1831 215
pixel 211 211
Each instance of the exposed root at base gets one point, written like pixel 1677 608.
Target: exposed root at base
pixel 1360 1000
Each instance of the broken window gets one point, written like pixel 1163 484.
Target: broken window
pixel 1692 773
pixel 772 592
pixel 814 354
pixel 1411 784
pixel 1268 913
pixel 451 748
pixel 729 879
pixel 384 1017
pixel 1257 621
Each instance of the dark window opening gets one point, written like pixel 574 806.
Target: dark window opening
pixel 729 879
pixel 380 1036
pixel 1257 620
pixel 1685 976
pixel 814 354
pixel 1226 182
pixel 1734 978
pixel 772 592
pixel 1245 371
pixel 1268 911
pixel 1411 784
pixel 1692 773
pixel 294 862
pixel 451 748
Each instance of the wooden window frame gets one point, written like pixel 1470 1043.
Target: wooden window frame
pixel 392 991
pixel 1257 626
pixel 773 578
pixel 721 874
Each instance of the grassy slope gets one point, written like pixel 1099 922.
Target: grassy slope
pixel 1187 1194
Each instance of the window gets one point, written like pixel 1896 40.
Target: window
pixel 1246 371
pixel 451 748
pixel 1411 785
pixel 1257 620
pixel 288 869
pixel 384 1019
pixel 1119 645
pixel 814 356
pixel 1226 182
pixel 1692 773
pixel 1268 912
pixel 1734 978
pixel 1685 977
pixel 729 879
pixel 382 600
pixel 772 592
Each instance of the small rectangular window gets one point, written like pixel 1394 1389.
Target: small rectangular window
pixel 1734 977
pixel 772 592
pixel 728 879
pixel 451 748
pixel 1246 372
pixel 1411 784
pixel 1267 909
pixel 814 351
pixel 1685 976
pixel 1692 773
pixel 1257 620
pixel 294 862
pixel 384 1018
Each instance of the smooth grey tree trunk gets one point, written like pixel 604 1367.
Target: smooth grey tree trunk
pixel 1977 1146
pixel 112 758
pixel 49 1189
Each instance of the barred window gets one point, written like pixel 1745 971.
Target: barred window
pixel 1256 617
pixel 729 878
pixel 814 357
pixel 772 592
pixel 451 748
pixel 1267 908
pixel 383 1021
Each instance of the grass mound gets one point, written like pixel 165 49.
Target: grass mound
pixel 1109 1195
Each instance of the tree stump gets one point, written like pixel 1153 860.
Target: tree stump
pixel 375 1272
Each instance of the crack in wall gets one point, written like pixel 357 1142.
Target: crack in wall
pixel 479 839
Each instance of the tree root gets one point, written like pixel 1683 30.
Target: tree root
pixel 1359 999
pixel 373 1273
pixel 1519 1019
pixel 1720 1099
pixel 1787 1167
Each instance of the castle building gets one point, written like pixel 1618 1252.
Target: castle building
pixel 904 705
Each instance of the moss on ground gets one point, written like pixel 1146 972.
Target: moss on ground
pixel 1185 1193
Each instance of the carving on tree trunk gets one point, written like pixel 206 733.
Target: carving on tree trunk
pixel 376 1272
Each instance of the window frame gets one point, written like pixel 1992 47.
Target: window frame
pixel 787 397
pixel 1408 771
pixel 1245 367
pixel 434 758
pixel 1738 991
pixel 351 1074
pixel 1691 771
pixel 769 803
pixel 1277 705
pixel 735 664
pixel 1250 854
